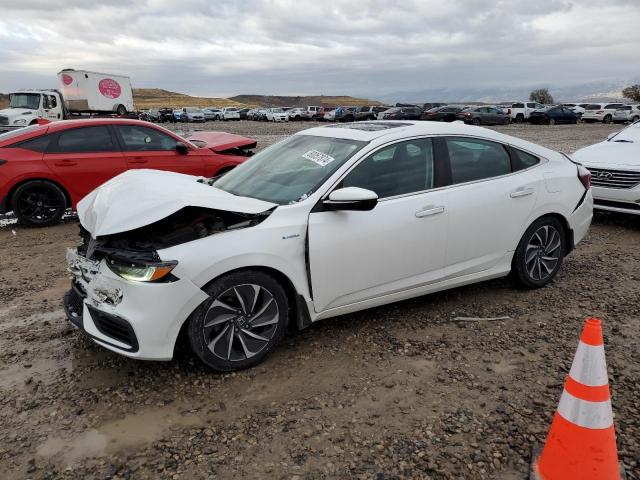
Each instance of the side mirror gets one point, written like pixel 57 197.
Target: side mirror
pixel 181 148
pixel 351 198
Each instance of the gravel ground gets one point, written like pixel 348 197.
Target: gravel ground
pixel 400 391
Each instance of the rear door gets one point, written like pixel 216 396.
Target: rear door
pixel 147 147
pixel 85 157
pixel 489 202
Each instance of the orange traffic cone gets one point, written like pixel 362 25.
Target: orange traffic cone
pixel 581 444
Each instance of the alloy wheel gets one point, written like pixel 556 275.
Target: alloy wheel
pixel 241 322
pixel 543 252
pixel 38 203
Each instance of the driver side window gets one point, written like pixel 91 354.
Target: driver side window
pixel 140 139
pixel 399 169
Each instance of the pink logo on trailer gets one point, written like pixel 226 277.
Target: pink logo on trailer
pixel 109 88
pixel 67 79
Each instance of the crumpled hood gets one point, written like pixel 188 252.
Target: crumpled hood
pixel 137 198
pixel 609 154
pixel 221 141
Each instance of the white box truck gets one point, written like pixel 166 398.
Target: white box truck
pixel 92 92
pixel 79 93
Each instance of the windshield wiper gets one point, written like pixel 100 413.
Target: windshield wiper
pixel 623 141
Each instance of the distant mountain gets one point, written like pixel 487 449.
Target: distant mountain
pixel 157 98
pixel 301 101
pixel 603 91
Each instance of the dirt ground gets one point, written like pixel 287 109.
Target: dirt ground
pixel 400 391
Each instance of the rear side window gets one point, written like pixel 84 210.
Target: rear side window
pixel 38 144
pixel 613 105
pixel 84 140
pixel 523 160
pixel 517 105
pixel 474 159
pixel 593 106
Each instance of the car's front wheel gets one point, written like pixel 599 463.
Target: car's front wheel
pixel 241 323
pixel 540 252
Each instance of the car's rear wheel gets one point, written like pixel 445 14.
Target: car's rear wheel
pixel 506 121
pixel 121 110
pixel 607 119
pixel 552 121
pixel 519 118
pixel 241 323
pixel 38 203
pixel 635 119
pixel 539 254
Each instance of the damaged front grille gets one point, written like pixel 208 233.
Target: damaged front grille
pixel 140 246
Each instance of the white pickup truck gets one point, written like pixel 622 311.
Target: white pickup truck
pixel 520 111
pixel 79 92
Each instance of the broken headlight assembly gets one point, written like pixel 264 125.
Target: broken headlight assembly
pixel 149 272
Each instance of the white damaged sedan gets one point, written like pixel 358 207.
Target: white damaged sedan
pixel 329 221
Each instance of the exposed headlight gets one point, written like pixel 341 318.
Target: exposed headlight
pixel 22 121
pixel 152 272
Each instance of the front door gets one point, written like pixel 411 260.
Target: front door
pixel 355 256
pixel 147 147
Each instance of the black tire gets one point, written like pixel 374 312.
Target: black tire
pixel 606 119
pixel 38 203
pixel 121 110
pixel 635 119
pixel 551 121
pixel 506 121
pixel 531 267
pixel 211 342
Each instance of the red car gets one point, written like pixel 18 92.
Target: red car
pixel 45 169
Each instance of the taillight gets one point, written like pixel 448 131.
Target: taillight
pixel 599 112
pixel 584 176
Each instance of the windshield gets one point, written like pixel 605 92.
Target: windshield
pixel 289 171
pixel 25 100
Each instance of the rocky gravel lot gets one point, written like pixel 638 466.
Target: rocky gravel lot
pixel 400 391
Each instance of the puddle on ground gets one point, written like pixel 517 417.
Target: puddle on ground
pixel 40 369
pixel 133 430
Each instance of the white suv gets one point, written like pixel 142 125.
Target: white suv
pixel 600 112
pixel 230 113
pixel 329 221
pixel 628 113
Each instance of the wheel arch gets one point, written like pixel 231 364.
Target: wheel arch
pixel 12 191
pixel 568 232
pixel 298 310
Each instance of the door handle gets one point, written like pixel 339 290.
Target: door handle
pixel 65 163
pixel 522 192
pixel 430 210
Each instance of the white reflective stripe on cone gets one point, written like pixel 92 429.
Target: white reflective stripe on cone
pixel 594 415
pixel 589 366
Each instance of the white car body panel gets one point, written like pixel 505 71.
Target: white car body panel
pixel 356 259
pixel 621 153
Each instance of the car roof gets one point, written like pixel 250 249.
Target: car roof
pixel 65 124
pixel 390 130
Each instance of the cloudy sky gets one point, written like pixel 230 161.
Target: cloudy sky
pixel 358 47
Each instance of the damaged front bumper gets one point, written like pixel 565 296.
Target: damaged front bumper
pixel 137 319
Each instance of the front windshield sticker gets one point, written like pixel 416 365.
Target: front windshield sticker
pixel 320 158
